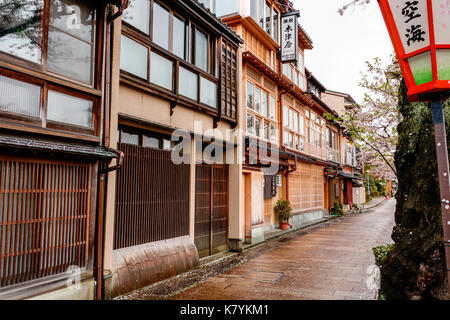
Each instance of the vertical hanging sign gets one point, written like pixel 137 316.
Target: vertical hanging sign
pixel 289 37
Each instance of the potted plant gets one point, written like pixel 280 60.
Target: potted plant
pixel 283 211
pixel 337 209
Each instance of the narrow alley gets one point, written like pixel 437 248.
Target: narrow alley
pixel 327 264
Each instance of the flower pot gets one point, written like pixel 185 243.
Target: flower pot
pixel 284 225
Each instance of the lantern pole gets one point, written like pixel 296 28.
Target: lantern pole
pixel 440 137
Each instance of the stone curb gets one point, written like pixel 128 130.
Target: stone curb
pixel 373 206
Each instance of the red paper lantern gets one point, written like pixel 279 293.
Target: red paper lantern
pixel 420 33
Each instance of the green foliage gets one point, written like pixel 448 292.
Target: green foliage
pixel 356 208
pixel 337 209
pixel 283 210
pixel 381 253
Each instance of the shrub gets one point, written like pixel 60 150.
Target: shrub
pixel 283 210
pixel 355 207
pixel 337 209
pixel 381 253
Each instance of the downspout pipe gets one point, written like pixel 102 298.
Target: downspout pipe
pixel 104 169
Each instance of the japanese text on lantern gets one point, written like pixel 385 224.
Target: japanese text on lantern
pixel 411 18
pixel 414 32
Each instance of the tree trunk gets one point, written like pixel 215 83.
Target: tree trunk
pixel 415 268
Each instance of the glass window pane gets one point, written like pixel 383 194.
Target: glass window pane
pixel 250 124
pixel 129 138
pixel 285 116
pixel 443 63
pixel 188 86
pixel 302 125
pixel 268 25
pixel 23 42
pixel 250 95
pixel 161 26
pixel 138 15
pixel 291 119
pixel 69 109
pixel 208 92
pixel 285 138
pixel 167 145
pixel 201 50
pixel 19 97
pixel 179 37
pixel 161 71
pixel 265 101
pixel 266 130
pixel 73 16
pixel 253 10
pixel 273 133
pixel 134 58
pixel 275 25
pixel 273 108
pixel 291 142
pixel 257 100
pixel 257 127
pixel 295 121
pixel 69 56
pixel 150 142
pixel 261 13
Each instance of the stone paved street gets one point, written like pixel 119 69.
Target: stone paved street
pixel 329 263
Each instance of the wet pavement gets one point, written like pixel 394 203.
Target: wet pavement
pixel 327 263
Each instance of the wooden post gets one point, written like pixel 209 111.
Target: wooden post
pixel 443 169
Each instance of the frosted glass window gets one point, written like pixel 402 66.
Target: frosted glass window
pixel 138 15
pixel 70 39
pixel 275 25
pixel 150 142
pixel 19 97
pixel 25 43
pixel 266 130
pixel 250 124
pixel 69 56
pixel 273 108
pixel 257 100
pixel 133 58
pixel 208 92
pixel 179 37
pixel 250 97
pixel 285 116
pixel 188 84
pixel 273 132
pixel 257 127
pixel 285 138
pixel 302 125
pixel 265 102
pixel 129 138
pixel 161 71
pixel 261 13
pixel 268 24
pixel 68 109
pixel 295 121
pixel 291 119
pixel 253 10
pixel 161 26
pixel 201 50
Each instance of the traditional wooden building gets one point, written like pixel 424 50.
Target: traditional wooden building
pixel 54 146
pixel 175 70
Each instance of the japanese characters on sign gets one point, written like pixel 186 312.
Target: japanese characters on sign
pixel 289 37
pixel 411 18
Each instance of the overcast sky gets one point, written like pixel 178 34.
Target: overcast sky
pixel 342 43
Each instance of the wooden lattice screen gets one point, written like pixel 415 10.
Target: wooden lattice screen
pixel 152 200
pixel 44 217
pixel 211 209
pixel 229 80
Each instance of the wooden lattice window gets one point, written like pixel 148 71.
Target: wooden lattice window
pixel 228 78
pixel 44 218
